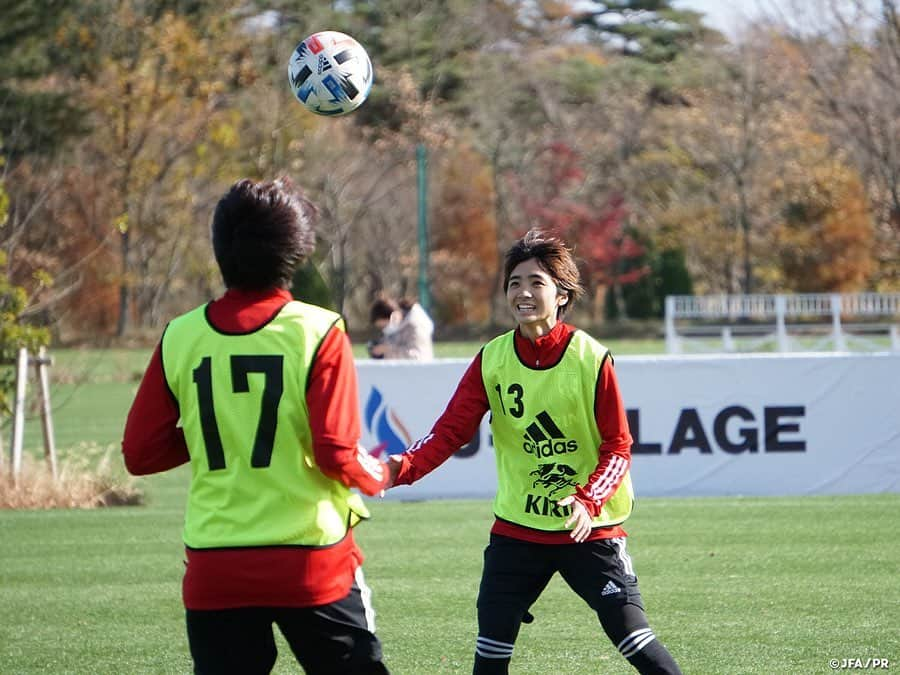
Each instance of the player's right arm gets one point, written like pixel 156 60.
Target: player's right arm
pixel 454 428
pixel 152 441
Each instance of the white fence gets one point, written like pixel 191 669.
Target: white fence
pixel 760 424
pixel 801 322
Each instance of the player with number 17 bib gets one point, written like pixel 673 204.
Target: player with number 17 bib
pixel 258 392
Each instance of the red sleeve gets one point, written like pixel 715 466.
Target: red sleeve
pixel 152 441
pixel 614 454
pixel 332 397
pixel 453 429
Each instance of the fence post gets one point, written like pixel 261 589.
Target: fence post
pixel 41 363
pixel 672 346
pixel 781 336
pixel 837 332
pixel 727 340
pixel 18 426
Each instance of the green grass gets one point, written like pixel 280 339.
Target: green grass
pixel 731 585
pixel 764 585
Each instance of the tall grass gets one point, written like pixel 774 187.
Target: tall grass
pixel 88 477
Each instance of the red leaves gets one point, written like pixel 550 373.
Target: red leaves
pixel 594 224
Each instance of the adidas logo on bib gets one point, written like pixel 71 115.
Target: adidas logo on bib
pixel 610 589
pixel 543 438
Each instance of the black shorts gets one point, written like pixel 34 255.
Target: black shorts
pixel 516 573
pixel 332 639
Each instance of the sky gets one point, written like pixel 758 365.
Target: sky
pixel 728 16
pixel 723 15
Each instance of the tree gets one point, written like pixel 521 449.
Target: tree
pixel 463 238
pixel 596 227
pixel 826 239
pixel 510 111
pixel 15 332
pixel 697 149
pixel 650 30
pixel 308 285
pixel 364 186
pixel 616 109
pixel 158 97
pixel 38 108
pixel 851 57
pixel 50 233
pixel 644 298
pixel 734 139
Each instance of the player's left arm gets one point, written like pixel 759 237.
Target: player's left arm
pixel 332 397
pixel 614 453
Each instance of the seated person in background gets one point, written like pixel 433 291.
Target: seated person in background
pixel 406 330
pixel 380 314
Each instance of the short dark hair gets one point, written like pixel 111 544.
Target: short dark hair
pixel 261 231
pixel 555 259
pixel 382 308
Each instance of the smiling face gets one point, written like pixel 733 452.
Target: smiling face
pixel 534 299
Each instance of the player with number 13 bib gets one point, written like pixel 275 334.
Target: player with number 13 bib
pixel 563 450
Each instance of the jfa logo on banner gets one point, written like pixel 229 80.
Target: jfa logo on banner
pixel 384 424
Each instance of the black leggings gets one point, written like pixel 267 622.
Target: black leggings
pixel 600 572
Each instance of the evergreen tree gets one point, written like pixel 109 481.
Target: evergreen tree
pixel 35 120
pixel 645 298
pixel 651 30
pixel 308 285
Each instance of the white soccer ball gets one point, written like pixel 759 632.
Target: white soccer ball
pixel 330 73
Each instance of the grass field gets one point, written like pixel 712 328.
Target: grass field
pixel 732 585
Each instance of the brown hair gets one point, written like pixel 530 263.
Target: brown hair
pixel 555 259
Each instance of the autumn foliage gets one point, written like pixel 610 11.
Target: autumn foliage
pixel 827 235
pixel 596 224
pixel 765 164
pixel 464 258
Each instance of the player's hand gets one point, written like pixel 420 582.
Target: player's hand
pixel 580 520
pixel 394 463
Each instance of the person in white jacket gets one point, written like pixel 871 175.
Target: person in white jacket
pixel 406 330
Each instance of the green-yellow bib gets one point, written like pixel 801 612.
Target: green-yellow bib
pixel 242 400
pixel 545 433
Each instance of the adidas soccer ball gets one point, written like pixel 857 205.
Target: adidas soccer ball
pixel 330 73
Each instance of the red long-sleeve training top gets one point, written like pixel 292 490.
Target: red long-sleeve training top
pixel 460 420
pixel 263 576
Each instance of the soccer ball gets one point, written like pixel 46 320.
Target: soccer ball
pixel 330 73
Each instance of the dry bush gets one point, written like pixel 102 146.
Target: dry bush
pixel 88 478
